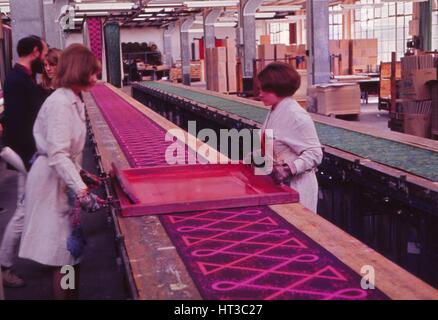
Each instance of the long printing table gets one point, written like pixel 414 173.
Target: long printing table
pixel 408 163
pixel 276 252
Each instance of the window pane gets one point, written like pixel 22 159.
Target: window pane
pixel 385 11
pixel 400 8
pixel 408 8
pixel 391 11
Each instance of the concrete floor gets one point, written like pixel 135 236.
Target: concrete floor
pixel 371 115
pixel 100 276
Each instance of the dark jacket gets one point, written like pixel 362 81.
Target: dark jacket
pixel 22 102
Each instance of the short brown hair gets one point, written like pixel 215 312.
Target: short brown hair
pixel 279 78
pixel 75 67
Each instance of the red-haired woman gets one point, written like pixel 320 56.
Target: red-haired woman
pixel 55 189
pixel 296 147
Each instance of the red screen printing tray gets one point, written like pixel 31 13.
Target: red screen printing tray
pixel 180 188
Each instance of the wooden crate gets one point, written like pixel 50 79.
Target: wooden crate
pixel 338 99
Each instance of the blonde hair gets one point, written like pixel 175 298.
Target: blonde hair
pixel 52 58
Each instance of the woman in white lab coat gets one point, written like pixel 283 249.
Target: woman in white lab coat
pixel 296 148
pixel 54 187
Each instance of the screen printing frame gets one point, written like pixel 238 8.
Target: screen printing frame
pixel 132 205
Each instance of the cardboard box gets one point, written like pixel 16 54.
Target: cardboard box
pixel 265 39
pixel 280 52
pixel 219 72
pixel 414 27
pixel 266 54
pixel 413 85
pixel 417 124
pixel 209 68
pixel 291 49
pixel 340 49
pixel 301 93
pixel 363 55
pixel 338 99
pixel 385 88
pixel 301 49
pixel 231 77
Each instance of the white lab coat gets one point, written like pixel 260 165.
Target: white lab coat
pixel 295 141
pixel 60 134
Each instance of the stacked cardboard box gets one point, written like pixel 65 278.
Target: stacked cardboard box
pixel 338 99
pixel 265 39
pixel 209 67
pixel 219 69
pixel 415 92
pixel 175 74
pixel 341 63
pixel 231 59
pixel 195 70
pixel 413 85
pixel 414 27
pixel 293 51
pixel 363 55
pixel 266 54
pixel 280 52
pixel 416 72
pixel 434 95
pixel 385 78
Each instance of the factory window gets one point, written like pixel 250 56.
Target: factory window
pixel 386 21
pixel 435 25
pixel 279 33
pixel 335 22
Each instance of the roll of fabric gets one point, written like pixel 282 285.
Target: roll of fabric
pixel 95 36
pixel 112 52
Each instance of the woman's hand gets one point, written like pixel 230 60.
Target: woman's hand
pixel 282 172
pixel 89 201
pixel 92 181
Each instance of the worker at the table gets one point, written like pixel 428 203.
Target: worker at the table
pixel 55 189
pixel 296 148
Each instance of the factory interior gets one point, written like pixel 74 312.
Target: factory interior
pixel 347 211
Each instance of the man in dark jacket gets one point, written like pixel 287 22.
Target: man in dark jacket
pixel 22 101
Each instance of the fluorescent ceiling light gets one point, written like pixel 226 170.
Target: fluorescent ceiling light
pixel 138 19
pixel 295 18
pixel 210 4
pixel 362 6
pixel 196 31
pixel 96 13
pixel 227 19
pixel 164 4
pixel 5 9
pixel 225 24
pixel 265 14
pixel 105 6
pixel 280 8
pixel 152 10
